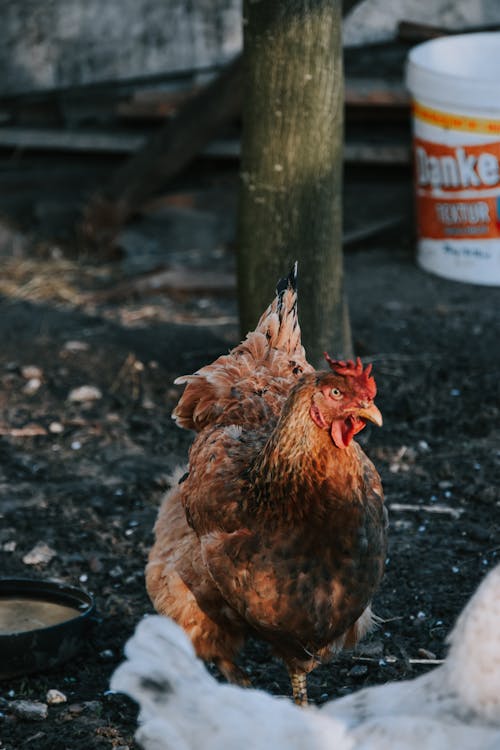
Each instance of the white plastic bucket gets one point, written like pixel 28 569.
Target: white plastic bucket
pixel 455 86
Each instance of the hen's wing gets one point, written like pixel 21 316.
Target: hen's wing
pixel 248 385
pixel 301 601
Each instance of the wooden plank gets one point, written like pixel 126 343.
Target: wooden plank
pixel 377 92
pixel 166 152
pixel 395 154
pixel 182 281
pixel 129 143
pixel 56 139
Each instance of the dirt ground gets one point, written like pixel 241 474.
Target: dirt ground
pixel 90 484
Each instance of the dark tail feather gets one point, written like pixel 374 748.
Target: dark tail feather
pixel 279 322
pixel 288 282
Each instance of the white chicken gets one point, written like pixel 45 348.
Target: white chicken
pixel 456 705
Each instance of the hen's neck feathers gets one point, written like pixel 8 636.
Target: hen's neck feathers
pixel 299 461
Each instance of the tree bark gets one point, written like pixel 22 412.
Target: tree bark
pixel 291 172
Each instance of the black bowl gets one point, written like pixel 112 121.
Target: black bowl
pixel 36 649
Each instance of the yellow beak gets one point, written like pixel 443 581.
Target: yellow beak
pixel 372 414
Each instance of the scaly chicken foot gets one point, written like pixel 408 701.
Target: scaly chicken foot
pixel 299 687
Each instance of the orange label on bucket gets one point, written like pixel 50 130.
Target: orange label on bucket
pixel 457 190
pixel 447 219
pixel 455 122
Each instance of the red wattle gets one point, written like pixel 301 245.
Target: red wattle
pixel 342 431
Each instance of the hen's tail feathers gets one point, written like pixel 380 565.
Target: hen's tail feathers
pixel 269 356
pixel 473 662
pixel 182 707
pixel 280 322
pixel 160 659
pixel 160 670
pixel 464 691
pixel 455 705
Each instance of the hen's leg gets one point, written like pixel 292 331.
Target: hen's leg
pixel 299 687
pixel 232 672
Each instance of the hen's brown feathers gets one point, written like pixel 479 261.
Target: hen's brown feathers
pixel 274 530
pixel 248 385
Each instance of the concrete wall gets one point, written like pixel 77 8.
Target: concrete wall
pixel 376 20
pixel 47 43
pixel 61 42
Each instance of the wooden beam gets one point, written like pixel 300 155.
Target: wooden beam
pixel 57 139
pixel 166 152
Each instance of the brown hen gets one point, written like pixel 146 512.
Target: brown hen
pixel 277 528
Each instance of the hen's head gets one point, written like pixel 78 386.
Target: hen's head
pixel 342 402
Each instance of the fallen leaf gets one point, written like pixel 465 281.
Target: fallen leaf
pixel 85 393
pixel 41 554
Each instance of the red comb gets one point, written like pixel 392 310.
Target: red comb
pixel 355 370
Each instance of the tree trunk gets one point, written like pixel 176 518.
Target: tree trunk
pixel 292 166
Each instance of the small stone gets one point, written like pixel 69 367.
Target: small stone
pixel 76 346
pixel 359 670
pixel 85 393
pixel 29 710
pixel 9 546
pixel 54 697
pixel 41 554
pixel 30 372
pixel 56 428
pixel 116 572
pixel 107 654
pixel 32 386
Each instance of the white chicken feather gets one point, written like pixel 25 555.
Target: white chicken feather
pixel 456 705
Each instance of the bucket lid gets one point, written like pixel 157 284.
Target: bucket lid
pixel 462 69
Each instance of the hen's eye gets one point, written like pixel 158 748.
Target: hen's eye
pixel 335 393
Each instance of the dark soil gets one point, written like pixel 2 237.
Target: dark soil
pixel 91 492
